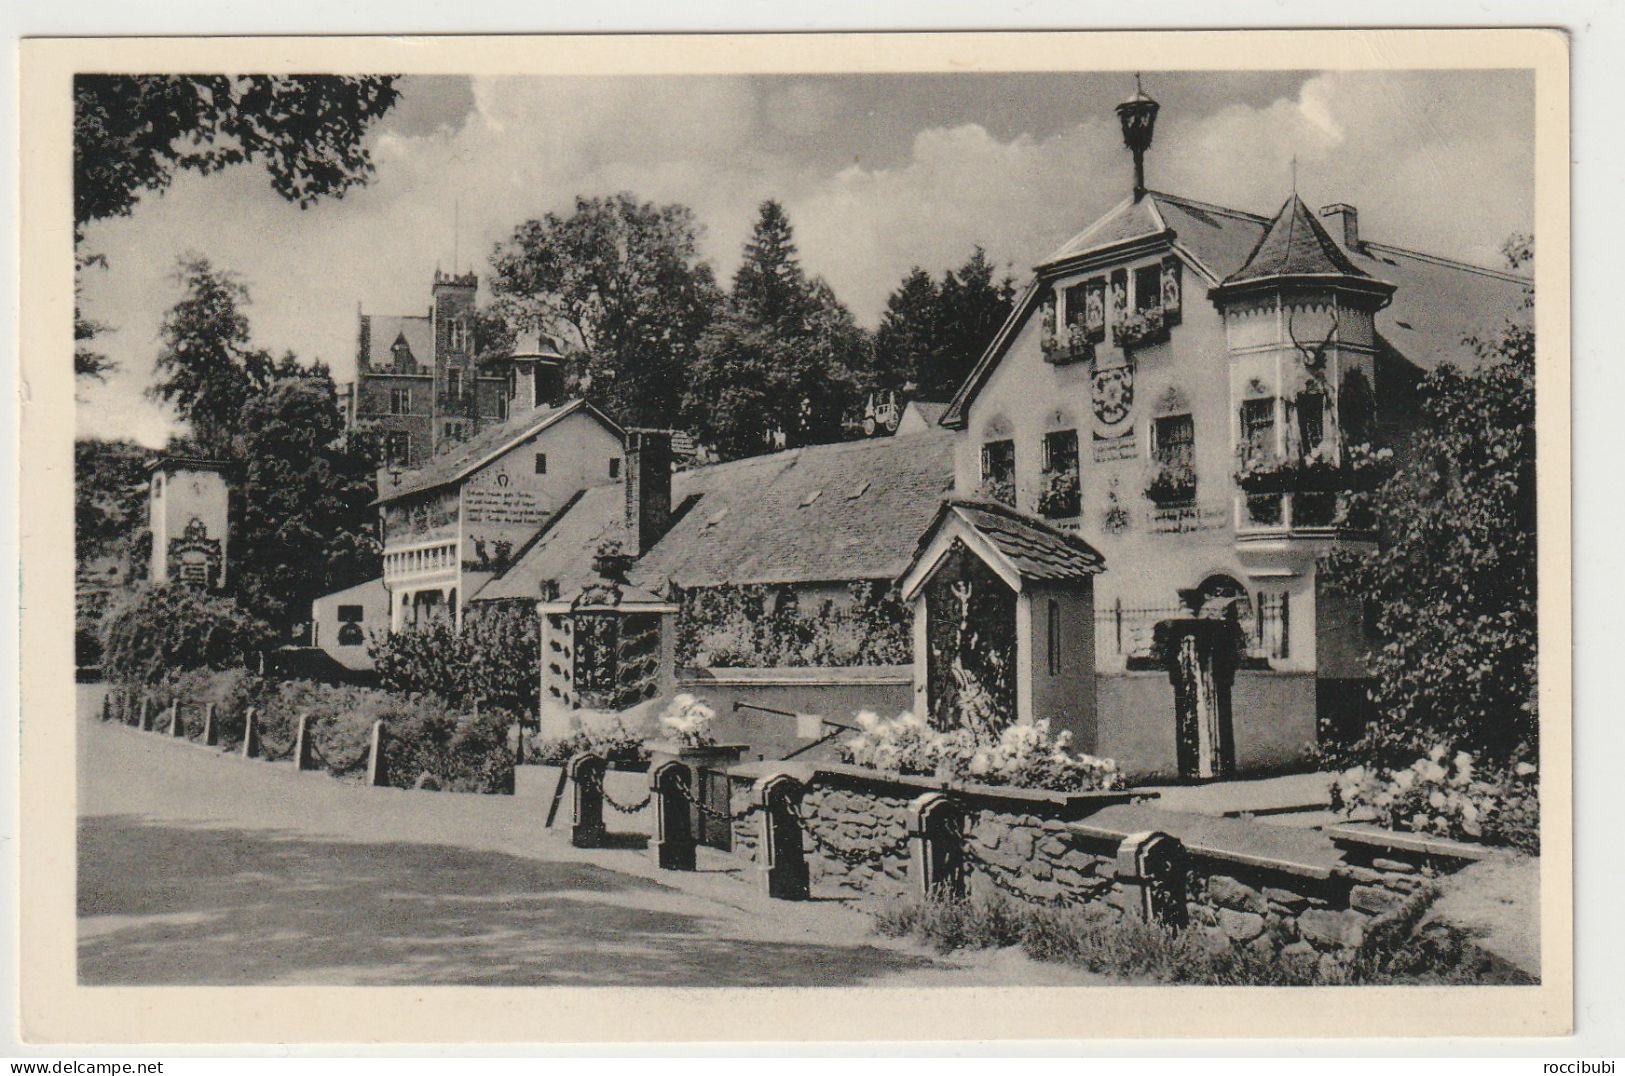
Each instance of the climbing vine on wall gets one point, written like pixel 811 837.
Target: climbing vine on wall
pixel 772 626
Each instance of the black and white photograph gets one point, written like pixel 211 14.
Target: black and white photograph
pixel 846 530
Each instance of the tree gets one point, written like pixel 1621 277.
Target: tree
pixel 110 496
pixel 625 281
pixel 132 133
pixel 1452 583
pixel 167 628
pixel 783 363
pixel 207 370
pixel 302 521
pixel 932 335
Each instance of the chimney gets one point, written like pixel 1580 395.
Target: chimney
pixel 648 487
pixel 1344 222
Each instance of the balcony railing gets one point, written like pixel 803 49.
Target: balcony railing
pixel 1123 633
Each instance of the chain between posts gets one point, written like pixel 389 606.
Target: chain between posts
pixel 347 768
pixel 598 786
pixel 706 808
pixel 849 856
pixel 995 874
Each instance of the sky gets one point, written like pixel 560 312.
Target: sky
pixel 879 173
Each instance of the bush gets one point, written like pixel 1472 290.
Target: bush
pixel 615 743
pixel 168 627
pixel 1448 796
pixel 1022 755
pixel 490 663
pixel 1089 936
pixel 687 721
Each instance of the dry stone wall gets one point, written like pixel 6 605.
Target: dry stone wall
pixel 1236 882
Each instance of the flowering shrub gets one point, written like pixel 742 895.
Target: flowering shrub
pixel 615 743
pixel 688 721
pixel 1022 756
pixel 1451 796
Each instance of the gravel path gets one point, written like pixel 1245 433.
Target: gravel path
pixel 201 868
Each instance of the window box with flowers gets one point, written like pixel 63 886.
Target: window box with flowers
pixel 1170 482
pixel 1000 488
pixel 1061 496
pixel 1076 346
pixel 1316 471
pixel 1141 329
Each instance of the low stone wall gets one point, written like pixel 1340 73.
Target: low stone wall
pixel 1276 890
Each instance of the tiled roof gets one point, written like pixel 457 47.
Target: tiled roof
pixel 468 456
pixel 825 513
pixel 1295 245
pixel 384 329
pixel 1034 549
pixel 1438 302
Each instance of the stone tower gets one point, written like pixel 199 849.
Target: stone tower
pixel 190 499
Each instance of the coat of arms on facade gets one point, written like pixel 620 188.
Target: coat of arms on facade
pixel 194 557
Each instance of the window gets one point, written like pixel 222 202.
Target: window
pixel 615 467
pixel 457 334
pixel 541 463
pixel 1059 495
pixel 1173 439
pixel 454 383
pixel 1147 288
pixel 999 471
pixel 400 401
pixel 397 446
pixel 1311 421
pixel 1258 425
pixel 351 614
pixel 1054 623
pixel 157 486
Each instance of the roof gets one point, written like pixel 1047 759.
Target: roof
pixel 930 411
pixel 384 329
pixel 825 513
pixel 1032 547
pixel 480 449
pixel 1295 245
pixel 1438 301
pixel 188 463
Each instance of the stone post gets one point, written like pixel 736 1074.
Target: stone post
pixel 146 715
pixel 783 857
pixel 671 783
pixel 107 707
pixel 1151 877
pixel 937 858
pixel 211 727
pixel 176 728
pixel 587 800
pixel 377 775
pixel 303 758
pixel 251 734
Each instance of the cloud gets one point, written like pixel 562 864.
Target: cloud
pixel 492 153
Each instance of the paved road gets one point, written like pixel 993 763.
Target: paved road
pixel 200 868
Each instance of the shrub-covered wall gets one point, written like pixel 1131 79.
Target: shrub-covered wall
pixel 772 626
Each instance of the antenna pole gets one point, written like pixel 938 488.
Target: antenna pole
pixel 456 224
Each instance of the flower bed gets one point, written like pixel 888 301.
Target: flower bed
pixel 1022 756
pixel 1448 796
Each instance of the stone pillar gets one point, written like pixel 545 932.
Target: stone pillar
pixel 176 728
pixel 107 707
pixel 937 841
pixel 251 734
pixel 303 757
pixel 1151 878
pixel 146 715
pixel 377 775
pixel 211 727
pixel 783 858
pixel 671 784
pixel 587 800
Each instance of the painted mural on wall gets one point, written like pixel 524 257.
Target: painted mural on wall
pixel 971 646
pixel 1112 401
pixel 501 508
pixel 194 558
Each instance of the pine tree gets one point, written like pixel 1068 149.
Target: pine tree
pixel 932 334
pixel 770 287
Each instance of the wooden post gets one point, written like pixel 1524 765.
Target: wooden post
pixel 302 757
pixel 251 734
pixel 211 730
pixel 176 729
pixel 376 773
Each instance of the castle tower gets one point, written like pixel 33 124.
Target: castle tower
pixel 454 373
pixel 190 499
